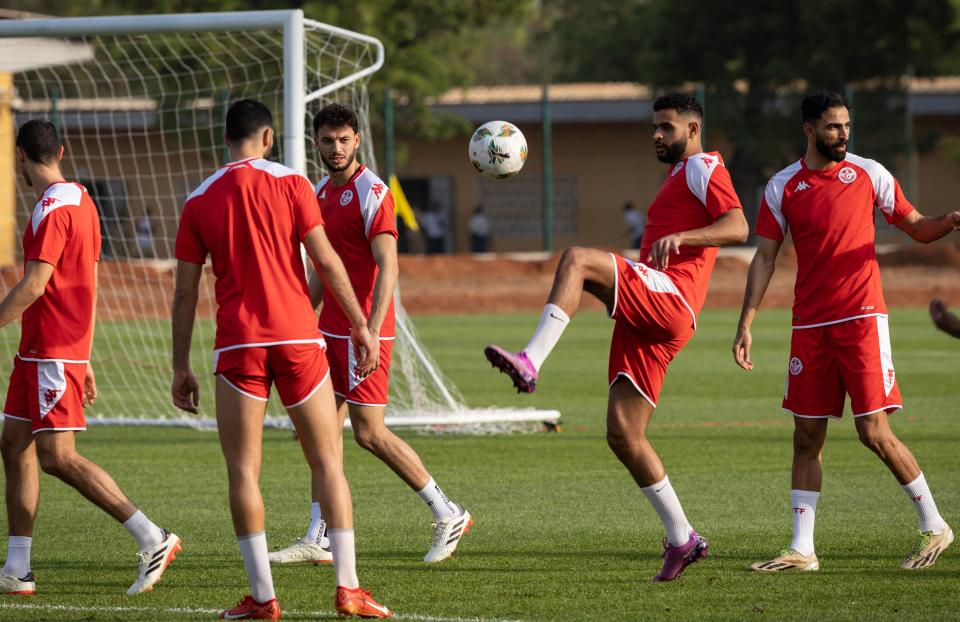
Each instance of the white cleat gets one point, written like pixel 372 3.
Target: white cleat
pixel 789 560
pixel 154 561
pixel 301 552
pixel 10 584
pixel 928 548
pixel 447 534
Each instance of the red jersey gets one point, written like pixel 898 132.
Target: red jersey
pixel 250 217
pixel 830 217
pixel 355 213
pixel 695 193
pixel 64 232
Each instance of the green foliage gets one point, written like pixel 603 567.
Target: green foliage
pixel 562 532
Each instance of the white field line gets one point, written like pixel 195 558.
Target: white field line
pixel 413 617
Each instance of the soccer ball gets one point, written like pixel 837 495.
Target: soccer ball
pixel 498 149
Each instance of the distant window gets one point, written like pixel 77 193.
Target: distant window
pixel 515 206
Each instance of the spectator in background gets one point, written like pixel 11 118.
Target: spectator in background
pixel 144 227
pixel 943 319
pixel 433 223
pixel 479 231
pixel 636 223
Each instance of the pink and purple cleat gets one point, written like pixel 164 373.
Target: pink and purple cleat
pixel 677 558
pixel 517 366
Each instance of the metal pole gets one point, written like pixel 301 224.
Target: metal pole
pixel 294 109
pixel 912 185
pixel 55 112
pixel 388 132
pixel 223 97
pixel 702 98
pixel 852 139
pixel 547 174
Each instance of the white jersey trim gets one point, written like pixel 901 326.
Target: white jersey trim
pixel 635 385
pixel 812 416
pixel 36 360
pixel 773 193
pixel 268 344
pixel 884 186
pixel 83 429
pixel 241 391
pixel 699 170
pixel 892 408
pixel 310 394
pixel 17 418
pixel 846 319
pixel 272 168
pixel 59 194
pixel 335 336
pixel 370 202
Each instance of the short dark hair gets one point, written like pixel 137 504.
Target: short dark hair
pixel 681 102
pixel 38 139
pixel 245 118
pixel 815 104
pixel 335 116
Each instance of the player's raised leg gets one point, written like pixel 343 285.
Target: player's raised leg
pixel 320 432
pixel 22 480
pixel 580 270
pixel 809 436
pixel 240 427
pixel 935 534
pixel 628 413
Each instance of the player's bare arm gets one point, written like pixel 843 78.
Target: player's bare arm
pixel 730 228
pixel 384 249
pixel 185 389
pixel 330 268
pixel 26 291
pixel 944 319
pixel 926 229
pixel 315 285
pixel 89 379
pixel 758 278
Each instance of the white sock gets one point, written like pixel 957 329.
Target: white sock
pixel 253 547
pixel 315 530
pixel 143 530
pixel 804 504
pixel 664 500
pixel 552 322
pixel 18 556
pixel 442 507
pixel 919 493
pixel 344 557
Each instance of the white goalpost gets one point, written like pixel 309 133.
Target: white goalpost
pixel 140 102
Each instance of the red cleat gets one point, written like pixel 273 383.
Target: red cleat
pixel 358 602
pixel 249 609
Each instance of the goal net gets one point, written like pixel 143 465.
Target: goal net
pixel 140 104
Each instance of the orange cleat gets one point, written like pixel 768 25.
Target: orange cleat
pixel 249 609
pixel 358 602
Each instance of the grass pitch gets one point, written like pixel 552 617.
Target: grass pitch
pixel 562 532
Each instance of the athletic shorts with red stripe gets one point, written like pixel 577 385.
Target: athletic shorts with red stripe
pixel 48 394
pixel 298 370
pixel 370 391
pixel 653 323
pixel 850 357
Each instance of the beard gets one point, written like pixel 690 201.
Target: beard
pixel 347 161
pixel 674 153
pixel 835 152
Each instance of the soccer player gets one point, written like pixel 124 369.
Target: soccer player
pixel 52 379
pixel 944 319
pixel 654 304
pixel 358 214
pixel 250 217
pixel 840 343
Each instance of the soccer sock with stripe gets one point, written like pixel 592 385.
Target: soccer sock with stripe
pixel 442 507
pixel 664 500
pixel 143 530
pixel 344 557
pixel 256 561
pixel 927 513
pixel 552 322
pixel 18 556
pixel 804 504
pixel 315 530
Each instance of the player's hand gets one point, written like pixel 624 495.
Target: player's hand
pixel 185 390
pixel 367 346
pixel 659 256
pixel 944 319
pixel 741 348
pixel 89 386
pixel 954 219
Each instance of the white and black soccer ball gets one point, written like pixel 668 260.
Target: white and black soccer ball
pixel 498 149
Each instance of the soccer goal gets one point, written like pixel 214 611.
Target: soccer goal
pixel 140 103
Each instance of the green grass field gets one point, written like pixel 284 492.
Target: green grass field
pixel 562 532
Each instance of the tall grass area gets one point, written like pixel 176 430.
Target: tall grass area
pixel 562 532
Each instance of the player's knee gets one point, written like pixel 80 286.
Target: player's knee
pixel 621 444
pixel 573 258
pixel 243 472
pixel 54 462
pixel 370 439
pixel 807 443
pixel 878 442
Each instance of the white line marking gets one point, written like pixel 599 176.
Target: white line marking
pixel 414 617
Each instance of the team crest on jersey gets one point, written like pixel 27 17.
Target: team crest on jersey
pixel 323 195
pixel 677 168
pixel 847 175
pixel 346 197
pixel 795 366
